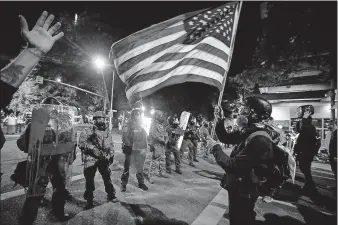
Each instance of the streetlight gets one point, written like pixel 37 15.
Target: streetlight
pixel 100 63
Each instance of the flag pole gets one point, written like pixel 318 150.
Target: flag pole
pixel 230 57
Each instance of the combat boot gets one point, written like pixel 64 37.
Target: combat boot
pixel 178 171
pixel 112 198
pixel 195 160
pixel 143 187
pixel 169 170
pixel 192 164
pixel 89 204
pixel 123 188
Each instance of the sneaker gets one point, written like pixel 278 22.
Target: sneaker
pixel 123 188
pixel 178 171
pixel 195 160
pixel 143 187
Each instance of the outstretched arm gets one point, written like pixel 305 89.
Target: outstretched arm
pixel 40 40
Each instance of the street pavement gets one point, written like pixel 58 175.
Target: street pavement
pixel 192 198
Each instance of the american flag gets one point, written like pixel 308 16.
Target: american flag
pixel 193 47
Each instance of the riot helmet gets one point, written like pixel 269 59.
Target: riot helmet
pixel 99 120
pixel 158 116
pixel 256 109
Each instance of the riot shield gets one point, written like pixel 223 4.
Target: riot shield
pixel 183 125
pixel 51 149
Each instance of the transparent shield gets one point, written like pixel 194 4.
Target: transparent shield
pixel 51 149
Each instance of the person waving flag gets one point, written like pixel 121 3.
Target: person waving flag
pixel 193 47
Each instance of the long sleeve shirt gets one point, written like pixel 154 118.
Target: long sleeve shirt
pixel 6 93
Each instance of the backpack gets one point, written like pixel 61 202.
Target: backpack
pixel 276 170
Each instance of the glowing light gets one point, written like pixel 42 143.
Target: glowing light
pixel 99 62
pixel 143 108
pixel 152 111
pixel 58 79
pixel 146 122
pixel 75 18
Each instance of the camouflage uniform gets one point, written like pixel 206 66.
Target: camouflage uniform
pixel 97 147
pixel 158 137
pixel 52 168
pixel 174 134
pixel 132 135
pixel 193 134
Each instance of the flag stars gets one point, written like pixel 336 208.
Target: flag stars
pixel 218 31
pixel 195 18
pixel 230 29
pixel 203 22
pixel 206 16
pixel 191 23
pixel 228 38
pixel 209 12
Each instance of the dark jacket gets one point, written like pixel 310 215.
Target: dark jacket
pixel 245 161
pixel 6 93
pixel 333 145
pixel 307 143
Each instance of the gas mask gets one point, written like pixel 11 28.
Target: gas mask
pixel 100 124
pixel 242 122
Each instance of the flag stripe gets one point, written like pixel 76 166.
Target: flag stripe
pixel 203 47
pixel 179 48
pixel 171 81
pixel 203 51
pixel 173 65
pixel 140 62
pixel 177 24
pixel 120 47
pixel 179 71
pixel 194 54
pixel 172 34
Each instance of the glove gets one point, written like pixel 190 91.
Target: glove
pixel 111 160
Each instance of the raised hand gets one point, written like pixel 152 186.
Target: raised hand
pixel 41 36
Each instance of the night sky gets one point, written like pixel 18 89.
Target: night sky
pixel 125 18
